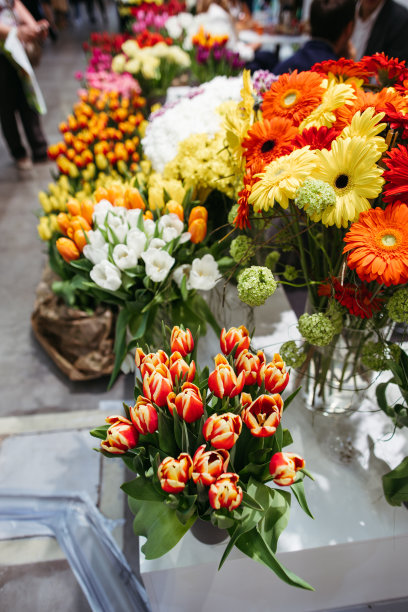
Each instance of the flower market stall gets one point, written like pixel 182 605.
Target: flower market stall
pixel 243 190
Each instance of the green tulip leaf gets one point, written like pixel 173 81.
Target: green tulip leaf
pixel 395 484
pixel 159 524
pixel 100 432
pixel 299 492
pixel 142 489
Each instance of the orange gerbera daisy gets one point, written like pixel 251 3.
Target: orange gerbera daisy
pixel 293 96
pixel 396 176
pixel 269 139
pixel 342 69
pixel 366 99
pixel 378 245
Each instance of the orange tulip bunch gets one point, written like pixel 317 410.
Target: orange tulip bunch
pixel 204 444
pixel 102 130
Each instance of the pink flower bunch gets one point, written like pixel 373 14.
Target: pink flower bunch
pixel 147 18
pixel 105 80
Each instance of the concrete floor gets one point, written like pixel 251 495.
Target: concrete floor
pixel 29 381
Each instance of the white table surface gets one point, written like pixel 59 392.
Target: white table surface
pixel 356 549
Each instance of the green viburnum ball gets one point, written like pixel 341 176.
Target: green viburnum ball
pixel 374 355
pixel 272 259
pixel 233 213
pixel 335 312
pixel 255 285
pixel 316 328
pixel 290 273
pixel 315 196
pixel 398 306
pixel 291 354
pixel 242 249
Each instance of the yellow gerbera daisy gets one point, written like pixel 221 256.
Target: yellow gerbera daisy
pixel 335 96
pixel 350 168
pixel 367 125
pixel 247 93
pixel 281 179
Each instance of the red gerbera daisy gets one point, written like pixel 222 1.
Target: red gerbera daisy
pixel 396 176
pixel 359 301
pixel 293 96
pixel 242 218
pixel 317 138
pixel 342 69
pixel 397 120
pixel 388 71
pixel 266 140
pixel 378 245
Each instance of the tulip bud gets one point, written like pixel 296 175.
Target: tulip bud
pixel 274 375
pixel 63 222
pixel 67 249
pixel 79 238
pixel 181 341
pixel 223 381
pixel 134 199
pixel 121 435
pixel 188 403
pixel 157 385
pixel 174 207
pixel 198 212
pixel 174 473
pixel 222 430
pixel 263 415
pixel 144 416
pixel 249 364
pixel 180 369
pixel 43 229
pixel 283 468
pixel 208 465
pixel 235 335
pixel 224 492
pixel 148 363
pixel 198 230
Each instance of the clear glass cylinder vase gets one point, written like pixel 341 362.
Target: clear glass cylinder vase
pixel 334 379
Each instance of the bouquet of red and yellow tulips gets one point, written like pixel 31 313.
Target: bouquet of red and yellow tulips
pixel 205 444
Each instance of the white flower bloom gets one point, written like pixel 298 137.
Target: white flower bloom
pixel 101 209
pixel 132 217
pixel 171 221
pixel 136 240
pixel 149 227
pixel 96 239
pixel 204 273
pixel 180 272
pixel 106 275
pixel 131 48
pixel 116 226
pixel 124 257
pixel 128 364
pixel 158 264
pixel 156 243
pixel 96 254
pixel 185 237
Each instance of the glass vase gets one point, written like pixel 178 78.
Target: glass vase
pixel 333 378
pixel 207 533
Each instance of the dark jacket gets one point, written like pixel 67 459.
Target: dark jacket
pixel 390 32
pixel 315 50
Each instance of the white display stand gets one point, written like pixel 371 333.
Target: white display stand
pixel 356 549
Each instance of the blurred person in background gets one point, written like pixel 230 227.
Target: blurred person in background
pixel 381 25
pixel 13 98
pixel 331 27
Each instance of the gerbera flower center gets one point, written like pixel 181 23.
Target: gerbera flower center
pixel 341 181
pixel 289 98
pixel 267 146
pixel 388 239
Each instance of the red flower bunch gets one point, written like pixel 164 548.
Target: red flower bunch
pixel 358 299
pixel 150 39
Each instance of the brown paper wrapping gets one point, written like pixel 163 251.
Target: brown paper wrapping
pixel 81 345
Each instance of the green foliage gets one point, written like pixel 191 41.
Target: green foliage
pixel 395 484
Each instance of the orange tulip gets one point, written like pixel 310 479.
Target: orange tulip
pixel 80 239
pixel 67 249
pixel 225 493
pixel 148 215
pixel 121 435
pixel 101 193
pixel 283 468
pixel 73 207
pixel 87 210
pixel 63 222
pixel 174 207
pixel 133 198
pixel 198 230
pixel 198 212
